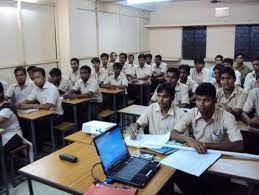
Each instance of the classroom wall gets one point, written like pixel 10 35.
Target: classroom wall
pixel 166 22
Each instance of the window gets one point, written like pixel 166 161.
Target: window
pixel 194 42
pixel 247 40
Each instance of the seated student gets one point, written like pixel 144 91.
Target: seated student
pixel 199 73
pixel 211 125
pixel 74 76
pixel 105 63
pixel 5 84
pixel 241 67
pixel 161 116
pixel 218 60
pixel 159 68
pixel 131 65
pixel 126 68
pixel 228 62
pixel 149 59
pixel 20 91
pixel 12 138
pixel 141 71
pixel 30 71
pixel 99 74
pixel 44 96
pixel 63 85
pixel 217 73
pixel 118 80
pixel 181 90
pixel 113 57
pixel 251 77
pixel 231 97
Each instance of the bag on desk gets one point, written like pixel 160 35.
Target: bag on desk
pixel 99 189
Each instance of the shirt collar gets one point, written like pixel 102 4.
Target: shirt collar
pixel 171 111
pixel 213 118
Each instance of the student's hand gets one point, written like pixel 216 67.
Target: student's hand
pixel 199 147
pixel 134 80
pixel 133 132
pixel 69 96
pixel 25 106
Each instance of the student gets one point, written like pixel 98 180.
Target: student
pixel 131 59
pixel 241 67
pixel 199 73
pixel 141 71
pixel 74 76
pixel 230 97
pixel 130 66
pixel 30 71
pixel 113 57
pixel 5 84
pixel 184 70
pixel 181 90
pixel 105 63
pixel 159 68
pixel 228 62
pixel 210 124
pixel 44 96
pixel 217 73
pixel 99 74
pixel 126 68
pixel 12 138
pixel 118 80
pixel 63 85
pixel 218 60
pixel 161 116
pixel 251 77
pixel 20 91
pixel 148 59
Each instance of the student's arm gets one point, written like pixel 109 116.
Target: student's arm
pixel 236 146
pixel 2 119
pixel 245 118
pixel 158 74
pixel 84 95
pixel 37 106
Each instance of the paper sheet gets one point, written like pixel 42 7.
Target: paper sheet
pixel 190 161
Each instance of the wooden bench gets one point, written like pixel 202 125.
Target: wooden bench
pixel 64 128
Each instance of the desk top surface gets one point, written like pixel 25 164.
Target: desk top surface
pixel 111 91
pixel 80 137
pixel 133 109
pixel 76 100
pixel 35 115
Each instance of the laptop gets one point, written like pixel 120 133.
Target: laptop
pixel 117 162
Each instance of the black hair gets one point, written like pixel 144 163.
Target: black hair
pixel 103 55
pixel 255 59
pixel 229 60
pixel 219 56
pixel 199 61
pixel 30 68
pixel 41 70
pixel 166 87
pixel 87 68
pixel 131 55
pixel 95 60
pixel 7 104
pixel 158 56
pixel 220 68
pixel 240 54
pixel 55 72
pixel 124 54
pixel 230 71
pixel 113 53
pixel 149 55
pixel 117 65
pixel 257 76
pixel 20 68
pixel 74 59
pixel 185 67
pixel 174 70
pixel 141 56
pixel 206 89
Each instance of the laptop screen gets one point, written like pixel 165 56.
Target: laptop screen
pixel 111 147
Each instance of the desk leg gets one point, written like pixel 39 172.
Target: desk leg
pixel 4 175
pixel 30 187
pixel 33 135
pixel 141 94
pixel 114 107
pixel 89 110
pixel 52 134
pixel 75 117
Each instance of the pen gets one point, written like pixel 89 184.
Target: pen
pixel 135 133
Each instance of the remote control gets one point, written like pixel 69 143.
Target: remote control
pixel 68 157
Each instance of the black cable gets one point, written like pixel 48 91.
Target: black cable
pixel 96 180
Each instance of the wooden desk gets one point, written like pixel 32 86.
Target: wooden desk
pixel 76 178
pixel 3 167
pixel 80 137
pixel 74 103
pixel 141 85
pixel 114 93
pixel 32 117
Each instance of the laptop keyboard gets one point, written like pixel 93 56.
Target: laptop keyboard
pixel 131 169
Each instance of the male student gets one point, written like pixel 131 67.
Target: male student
pixel 199 73
pixel 241 67
pixel 181 90
pixel 20 91
pixel 45 93
pixel 159 68
pixel 141 71
pixel 30 71
pixel 105 63
pixel 184 78
pixel 213 127
pixel 113 57
pixel 98 73
pixel 162 116
pixel 228 62
pixel 218 60
pixel 230 97
pixel 130 66
pixel 251 77
pixel 149 59
pixel 126 68
pixel 63 85
pixel 217 73
pixel 74 76
pixel 5 84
